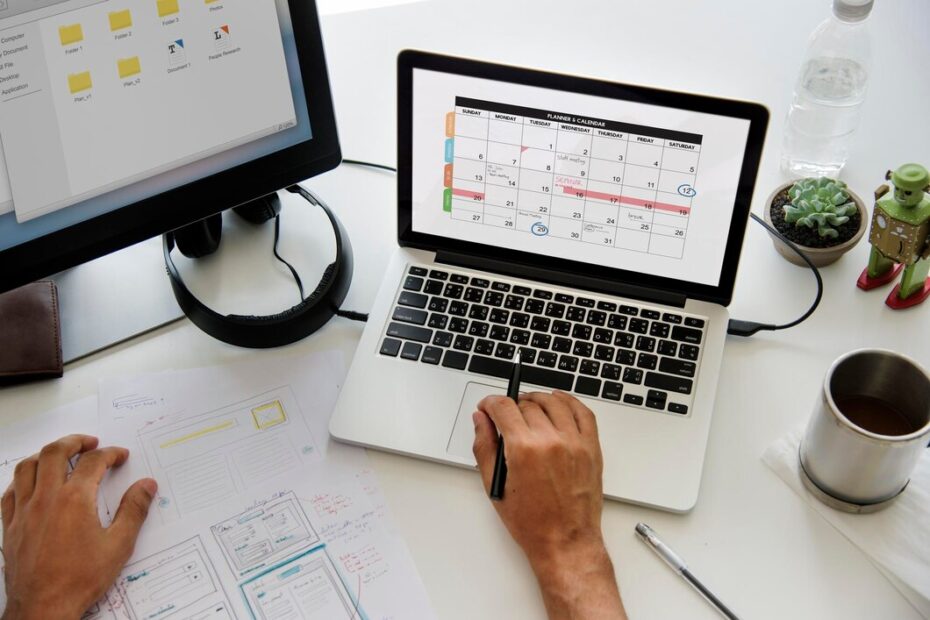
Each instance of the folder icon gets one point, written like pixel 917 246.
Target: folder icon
pixel 128 67
pixel 120 20
pixel 79 81
pixel 70 35
pixel 167 7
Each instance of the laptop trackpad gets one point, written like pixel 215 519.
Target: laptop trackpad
pixel 463 433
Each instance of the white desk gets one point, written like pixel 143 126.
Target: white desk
pixel 750 538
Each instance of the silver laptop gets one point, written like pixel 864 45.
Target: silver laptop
pixel 595 227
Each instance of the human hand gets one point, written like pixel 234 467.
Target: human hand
pixel 553 497
pixel 59 558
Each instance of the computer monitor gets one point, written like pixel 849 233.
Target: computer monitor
pixel 123 119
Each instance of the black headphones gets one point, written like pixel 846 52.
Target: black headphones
pixel 259 332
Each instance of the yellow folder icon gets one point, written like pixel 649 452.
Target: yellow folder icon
pixel 210 1
pixel 120 20
pixel 128 66
pixel 79 81
pixel 167 7
pixel 71 34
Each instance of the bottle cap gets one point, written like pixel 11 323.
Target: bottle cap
pixel 852 10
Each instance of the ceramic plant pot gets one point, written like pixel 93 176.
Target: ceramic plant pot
pixel 819 256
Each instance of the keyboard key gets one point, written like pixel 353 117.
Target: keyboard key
pixel 669 383
pixel 438 321
pixel 576 314
pixel 588 386
pixel 455 359
pixel 417 271
pixel 609 371
pixel 541 294
pixel 626 357
pixel 590 367
pixel 473 294
pixel 463 343
pixel 411 351
pixel 607 306
pixel 520 337
pixel 499 316
pixel 561 328
pixel 500 286
pixel 490 366
pixel 583 349
pixel 688 352
pixel 548 378
pixel 433 287
pixel 479 329
pixel 612 391
pixel 632 375
pixel 540 324
pixel 527 355
pixel 656 399
pixel 568 363
pixel 453 291
pixel 639 326
pixel 481 282
pixel 562 298
pixel 554 310
pixel 409 332
pixel 632 399
pixel 479 313
pixel 519 319
pixel 650 314
pixel 647 361
pixel 458 278
pixel 668 317
pixel 541 341
pixel 623 339
pixel 522 290
pixel 442 339
pixel 439 275
pixel 659 330
pixel 677 367
pixel 505 351
pixel 458 325
pixel 414 300
pixel 410 315
pixel 667 347
pixel 581 332
pixel 431 355
pixel 390 346
pixel 677 408
pixel 534 306
pixel 499 332
pixel 458 308
pixel 413 283
pixel 629 310
pixel 562 345
pixel 596 317
pixel 493 298
pixel 438 304
pixel 547 359
pixel 514 303
pixel 617 321
pixel 686 334
pixel 484 347
pixel 604 353
pixel 585 302
pixel 603 336
pixel 645 343
pixel 693 322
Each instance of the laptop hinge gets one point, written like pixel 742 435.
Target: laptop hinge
pixel 554 276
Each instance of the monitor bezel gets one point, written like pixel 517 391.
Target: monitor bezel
pixel 175 208
pixel 756 114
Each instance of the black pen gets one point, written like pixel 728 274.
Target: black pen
pixel 499 478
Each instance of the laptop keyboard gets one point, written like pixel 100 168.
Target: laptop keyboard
pixel 620 352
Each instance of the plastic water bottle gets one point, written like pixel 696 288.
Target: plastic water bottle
pixel 828 94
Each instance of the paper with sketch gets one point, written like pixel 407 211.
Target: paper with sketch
pixel 259 514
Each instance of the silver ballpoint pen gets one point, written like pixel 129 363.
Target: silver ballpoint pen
pixel 648 535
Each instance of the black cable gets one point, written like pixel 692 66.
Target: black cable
pixel 748 328
pixel 352 316
pixel 277 235
pixel 368 164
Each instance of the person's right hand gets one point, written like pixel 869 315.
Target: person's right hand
pixel 553 497
pixel 59 558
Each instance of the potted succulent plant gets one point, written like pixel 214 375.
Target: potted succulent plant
pixel 822 216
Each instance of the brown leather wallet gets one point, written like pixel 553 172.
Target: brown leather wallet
pixel 30 334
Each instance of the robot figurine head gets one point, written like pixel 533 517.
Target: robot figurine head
pixel 910 182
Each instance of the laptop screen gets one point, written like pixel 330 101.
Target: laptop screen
pixel 604 181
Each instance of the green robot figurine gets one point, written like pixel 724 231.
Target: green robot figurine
pixel 900 238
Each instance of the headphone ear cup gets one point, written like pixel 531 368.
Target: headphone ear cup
pixel 200 238
pixel 261 210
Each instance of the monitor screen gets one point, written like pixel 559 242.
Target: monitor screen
pixel 604 181
pixel 109 105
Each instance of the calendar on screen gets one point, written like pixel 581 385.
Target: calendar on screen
pixel 552 173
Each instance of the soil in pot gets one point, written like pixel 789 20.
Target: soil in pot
pixel 809 237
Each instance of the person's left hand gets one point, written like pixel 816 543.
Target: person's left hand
pixel 59 558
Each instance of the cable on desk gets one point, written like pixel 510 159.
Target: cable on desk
pixel 748 328
pixel 352 315
pixel 368 164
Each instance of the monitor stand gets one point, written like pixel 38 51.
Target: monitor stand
pixel 114 298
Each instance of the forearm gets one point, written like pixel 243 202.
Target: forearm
pixel 580 585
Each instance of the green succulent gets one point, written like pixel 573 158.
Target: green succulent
pixel 821 202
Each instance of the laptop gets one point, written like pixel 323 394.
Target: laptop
pixel 594 227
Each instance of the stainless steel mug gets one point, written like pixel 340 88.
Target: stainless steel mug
pixel 870 426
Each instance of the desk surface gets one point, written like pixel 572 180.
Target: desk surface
pixel 750 538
